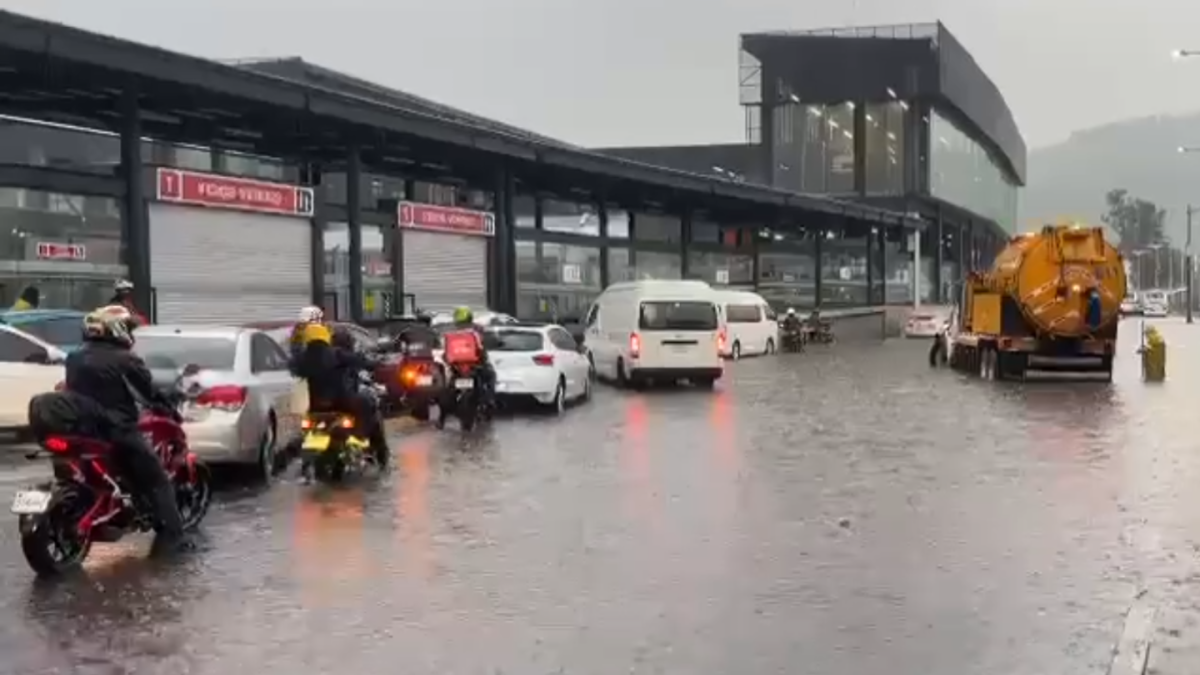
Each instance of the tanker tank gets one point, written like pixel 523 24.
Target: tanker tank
pixel 1050 302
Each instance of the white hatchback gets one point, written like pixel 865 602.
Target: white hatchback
pixel 539 361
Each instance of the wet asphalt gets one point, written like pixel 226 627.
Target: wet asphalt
pixel 846 511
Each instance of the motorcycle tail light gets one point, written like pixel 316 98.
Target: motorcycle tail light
pixel 635 345
pixel 306 424
pixel 409 375
pixel 224 397
pixel 56 444
pixel 346 422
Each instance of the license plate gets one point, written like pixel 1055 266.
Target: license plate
pixel 31 502
pixel 680 349
pixel 464 383
pixel 424 380
pixel 316 442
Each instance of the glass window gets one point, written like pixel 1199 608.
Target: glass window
pixel 814 147
pixel 336 239
pixel 963 172
pixel 192 157
pixel 844 270
pixel 377 272
pixel 16 349
pixel 517 341
pixel 266 355
pixel 787 278
pixel 885 147
pixel 563 340
pixel 657 227
pixel 677 316
pixel 724 269
pixel 655 265
pixel 27 144
pixel 705 231
pixel 172 352
pixel 61 332
pixel 561 286
pixel 239 164
pixel 618 222
pixel 570 217
pixel 743 313
pixel 527 262
pixel 525 211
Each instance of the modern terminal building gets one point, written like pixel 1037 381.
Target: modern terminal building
pixel 899 117
pixel 243 190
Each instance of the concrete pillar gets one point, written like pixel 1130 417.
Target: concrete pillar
pixel 310 175
pixel 354 225
pixel 135 223
pixel 502 282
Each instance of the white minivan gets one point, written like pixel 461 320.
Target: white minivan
pixel 750 324
pixel 655 330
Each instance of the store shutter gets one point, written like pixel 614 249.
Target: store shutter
pixel 444 271
pixel 214 266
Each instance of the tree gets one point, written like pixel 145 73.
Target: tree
pixel 1139 224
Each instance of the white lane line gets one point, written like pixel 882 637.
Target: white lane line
pixel 1131 656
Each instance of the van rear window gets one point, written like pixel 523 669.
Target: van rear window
pixel 677 316
pixel 743 313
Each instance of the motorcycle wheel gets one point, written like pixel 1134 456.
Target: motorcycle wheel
pixel 51 542
pixel 467 410
pixel 330 470
pixel 193 495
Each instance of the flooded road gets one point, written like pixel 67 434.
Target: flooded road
pixel 843 511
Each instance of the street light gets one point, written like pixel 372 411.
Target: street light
pixel 1184 53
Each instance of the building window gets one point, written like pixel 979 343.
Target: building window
pixel 336 239
pixel 564 284
pixel 723 269
pixel 570 217
pixel 525 211
pixel 844 270
pixel 814 148
pixel 379 282
pixel 655 265
pixel 27 144
pixel 68 246
pixel 657 227
pixel 618 222
pixel 787 278
pixel 963 172
pixel 885 147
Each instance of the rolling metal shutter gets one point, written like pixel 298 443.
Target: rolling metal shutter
pixel 444 271
pixel 217 266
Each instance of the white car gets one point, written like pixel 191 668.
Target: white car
pixel 245 408
pixel 1155 309
pixel 28 367
pixel 539 361
pixel 924 324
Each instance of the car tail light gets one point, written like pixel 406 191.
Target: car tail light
pixel 56 444
pixel 225 397
pixel 544 359
pixel 61 386
pixel 721 342
pixel 635 346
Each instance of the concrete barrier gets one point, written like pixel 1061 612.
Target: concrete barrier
pixel 859 324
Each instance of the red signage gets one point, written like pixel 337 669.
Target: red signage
pixel 242 194
pixel 49 250
pixel 445 219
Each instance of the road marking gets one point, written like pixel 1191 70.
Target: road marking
pixel 1131 656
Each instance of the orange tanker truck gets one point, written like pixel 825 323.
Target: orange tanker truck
pixel 1050 302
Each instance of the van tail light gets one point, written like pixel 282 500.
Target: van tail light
pixel 635 346
pixel 721 341
pixel 61 386
pixel 544 359
pixel 225 397
pixel 56 444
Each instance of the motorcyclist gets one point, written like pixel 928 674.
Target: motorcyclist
pixel 123 296
pixel 485 373
pixel 332 375
pixel 308 315
pixel 105 371
pixel 791 321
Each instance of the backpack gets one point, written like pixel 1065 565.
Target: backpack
pixel 462 348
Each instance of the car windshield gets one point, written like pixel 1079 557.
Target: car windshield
pixel 172 352
pixel 59 331
pixel 514 341
pixel 693 315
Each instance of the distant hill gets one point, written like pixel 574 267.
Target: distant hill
pixel 1070 179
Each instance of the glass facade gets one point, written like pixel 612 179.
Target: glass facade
pixel 68 246
pixel 844 271
pixel 525 212
pixel 659 227
pixel 814 148
pixel 336 239
pixel 721 269
pixel 556 282
pixel 570 217
pixel 787 276
pixel 618 223
pixel 885 128
pixel 962 171
pixel 379 282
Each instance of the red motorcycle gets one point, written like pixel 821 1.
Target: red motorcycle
pixel 90 502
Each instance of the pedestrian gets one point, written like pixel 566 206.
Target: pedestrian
pixel 30 298
pixel 123 296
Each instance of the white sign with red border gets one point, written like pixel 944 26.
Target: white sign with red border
pixel 51 250
pixel 238 194
pixel 449 219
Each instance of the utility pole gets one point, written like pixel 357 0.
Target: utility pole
pixel 1189 263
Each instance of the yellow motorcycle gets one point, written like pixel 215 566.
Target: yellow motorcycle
pixel 332 446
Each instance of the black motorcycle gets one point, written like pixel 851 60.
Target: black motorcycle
pixel 792 340
pixel 464 398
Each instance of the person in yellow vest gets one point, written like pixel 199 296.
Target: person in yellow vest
pixel 30 298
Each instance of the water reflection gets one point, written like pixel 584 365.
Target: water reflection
pixel 636 474
pixel 412 507
pixel 329 543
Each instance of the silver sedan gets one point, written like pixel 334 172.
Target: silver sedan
pixel 247 392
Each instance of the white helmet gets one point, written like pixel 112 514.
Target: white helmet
pixel 791 311
pixel 111 322
pixel 123 285
pixel 311 314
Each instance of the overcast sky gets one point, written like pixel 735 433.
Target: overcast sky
pixel 658 72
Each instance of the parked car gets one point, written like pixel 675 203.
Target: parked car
pixel 539 361
pixel 246 403
pixel 749 323
pixel 28 366
pixel 1131 306
pixel 62 328
pixel 925 323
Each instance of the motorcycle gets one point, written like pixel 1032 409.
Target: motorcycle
pixel 792 340
pixel 422 380
pixel 820 332
pixel 464 399
pixel 89 502
pixel 332 446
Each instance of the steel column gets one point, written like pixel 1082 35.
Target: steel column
pixel 311 176
pixel 135 225
pixel 354 226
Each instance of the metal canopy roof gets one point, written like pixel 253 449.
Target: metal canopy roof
pixel 63 74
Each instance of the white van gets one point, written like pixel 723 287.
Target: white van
pixel 750 324
pixel 655 330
